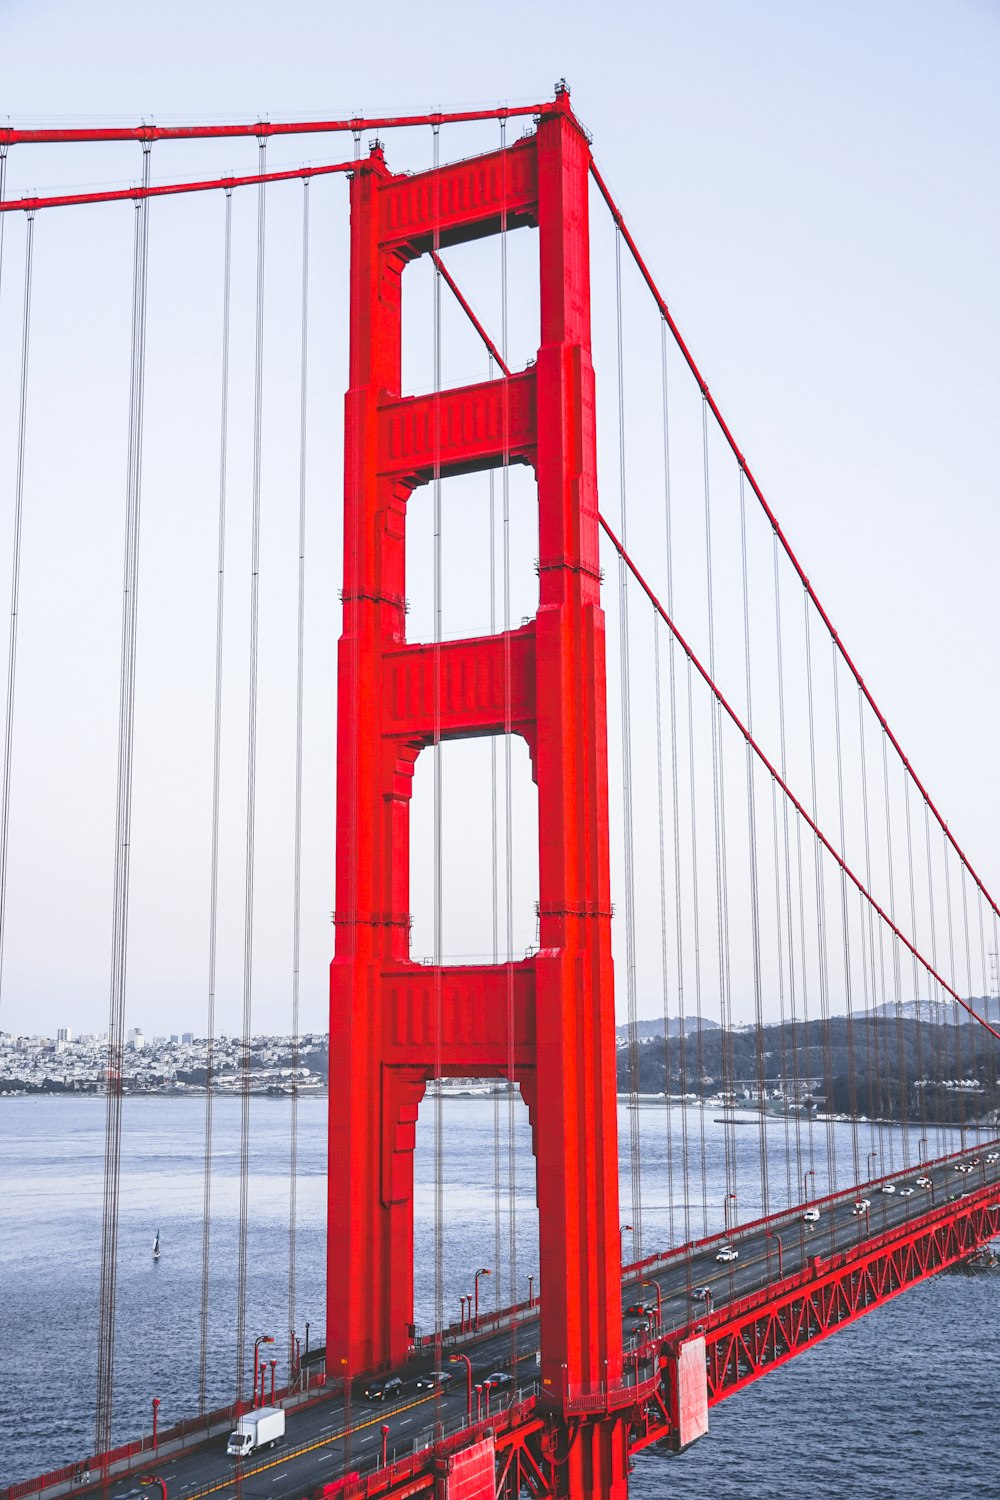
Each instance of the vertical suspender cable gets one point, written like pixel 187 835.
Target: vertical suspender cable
pixel 821 933
pixel 876 1110
pixel 15 584
pixel 663 926
pixel 754 881
pixel 508 748
pixel 123 824
pixel 933 988
pixel 675 810
pixel 248 915
pixel 796 1074
pixel 721 862
pixel 213 897
pixel 852 1086
pixel 921 1092
pixel 438 777
pixel 293 1162
pixel 957 1013
pixel 624 647
pixel 897 977
pixel 495 888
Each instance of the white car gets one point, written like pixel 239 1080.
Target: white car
pixel 906 1192
pixel 811 1216
pixel 993 1156
pixel 727 1253
pixel 888 1187
pixel 924 1182
pixel 861 1207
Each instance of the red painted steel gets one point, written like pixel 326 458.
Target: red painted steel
pixel 395 1024
pixel 171 189
pixel 12 136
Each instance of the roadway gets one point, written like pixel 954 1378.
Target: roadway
pixel 333 1437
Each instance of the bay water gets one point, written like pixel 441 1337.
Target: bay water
pixel 903 1403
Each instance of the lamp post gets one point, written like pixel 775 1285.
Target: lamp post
pixel 463 1301
pixel 263 1338
pixel 659 1300
pixel 156 1413
pixel 922 1147
pixel 479 1402
pixel 623 1230
pixel 725 1209
pixel 385 1443
pixel 454 1359
pixel 772 1234
pixel 872 1159
pixel 805 1179
pixel 272 1363
pixel 483 1271
pixel 487 1387
pixel 531 1292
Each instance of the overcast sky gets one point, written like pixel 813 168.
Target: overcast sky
pixel 815 187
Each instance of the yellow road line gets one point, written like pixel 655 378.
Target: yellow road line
pixel 335 1437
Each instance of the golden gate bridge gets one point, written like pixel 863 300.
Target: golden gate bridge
pixel 742 835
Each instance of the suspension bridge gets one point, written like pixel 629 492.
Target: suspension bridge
pixel 720 815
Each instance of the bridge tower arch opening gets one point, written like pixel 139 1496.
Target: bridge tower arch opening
pixel 394 1023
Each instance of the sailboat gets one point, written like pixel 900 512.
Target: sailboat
pixel 156 1246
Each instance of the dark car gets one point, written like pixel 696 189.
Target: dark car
pixel 498 1379
pixel 384 1390
pixel 433 1378
pixel 639 1310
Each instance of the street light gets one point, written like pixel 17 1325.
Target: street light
pixel 463 1301
pixel 263 1338
pixel 479 1402
pixel 872 1158
pixel 725 1209
pixel 385 1442
pixel 454 1359
pixel 156 1411
pixel 483 1271
pixel 659 1300
pixel 623 1230
pixel 772 1234
pixel 805 1178
pixel 922 1147
pixel 272 1363
pixel 531 1293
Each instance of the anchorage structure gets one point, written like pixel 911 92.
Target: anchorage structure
pixel 547 1021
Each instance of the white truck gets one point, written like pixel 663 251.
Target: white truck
pixel 256 1429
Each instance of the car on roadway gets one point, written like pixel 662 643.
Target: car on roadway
pixel 964 1166
pixel 888 1187
pixel 433 1378
pixel 861 1207
pixel 701 1293
pixel 906 1192
pixel 640 1309
pixel 499 1379
pixel 389 1389
pixel 811 1216
pixel 992 1156
pixel 924 1182
pixel 727 1253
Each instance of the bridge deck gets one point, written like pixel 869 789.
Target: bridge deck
pixel 793 1283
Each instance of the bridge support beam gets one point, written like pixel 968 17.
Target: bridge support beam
pixel 395 1025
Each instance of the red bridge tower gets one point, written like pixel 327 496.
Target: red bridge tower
pixel 395 1024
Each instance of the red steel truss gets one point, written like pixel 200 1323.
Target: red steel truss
pixel 547 1021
